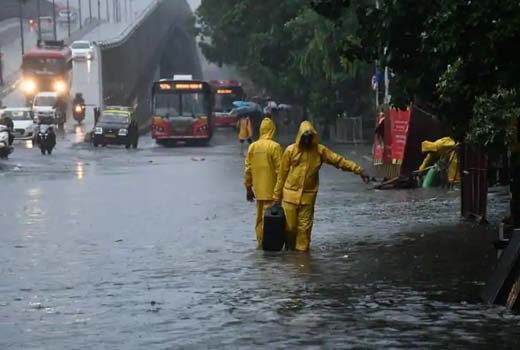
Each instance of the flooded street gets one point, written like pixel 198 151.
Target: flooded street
pixel 154 248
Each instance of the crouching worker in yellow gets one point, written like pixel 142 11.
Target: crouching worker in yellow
pixel 298 182
pixel 444 152
pixel 261 170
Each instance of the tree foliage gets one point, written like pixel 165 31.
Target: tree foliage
pixel 448 55
pixel 287 48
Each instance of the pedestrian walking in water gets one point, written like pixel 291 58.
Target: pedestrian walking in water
pixel 261 171
pixel 298 182
pixel 245 131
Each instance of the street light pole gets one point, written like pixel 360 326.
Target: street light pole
pixel 99 10
pixel 20 10
pixel 108 13
pixel 90 10
pixel 80 15
pixel 68 17
pixel 39 20
pixel 54 20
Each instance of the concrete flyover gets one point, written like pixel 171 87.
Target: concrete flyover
pixel 159 45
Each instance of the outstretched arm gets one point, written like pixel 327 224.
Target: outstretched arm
pixel 338 161
pixel 342 163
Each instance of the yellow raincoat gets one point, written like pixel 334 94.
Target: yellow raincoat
pixel 298 183
pixel 245 129
pixel 444 149
pixel 261 171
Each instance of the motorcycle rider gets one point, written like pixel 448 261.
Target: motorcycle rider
pixel 48 121
pixel 8 122
pixel 78 101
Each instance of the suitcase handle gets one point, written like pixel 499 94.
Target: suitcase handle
pixel 276 209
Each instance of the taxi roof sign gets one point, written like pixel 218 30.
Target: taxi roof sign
pixel 177 77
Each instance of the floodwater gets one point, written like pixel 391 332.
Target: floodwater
pixel 121 249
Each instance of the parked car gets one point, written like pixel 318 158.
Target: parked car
pixel 23 121
pixel 82 49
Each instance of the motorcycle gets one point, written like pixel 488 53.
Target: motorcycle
pixel 46 138
pixel 78 112
pixel 5 147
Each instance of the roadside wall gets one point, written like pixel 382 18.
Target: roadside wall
pixel 129 63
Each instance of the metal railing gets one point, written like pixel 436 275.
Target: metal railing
pixel 348 130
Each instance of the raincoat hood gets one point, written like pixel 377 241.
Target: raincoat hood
pixel 267 129
pixel 445 144
pixel 304 127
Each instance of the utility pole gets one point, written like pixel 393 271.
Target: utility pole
pixel 80 15
pixel 39 20
pixel 108 13
pixel 20 10
pixel 68 17
pixel 99 10
pixel 89 11
pixel 55 32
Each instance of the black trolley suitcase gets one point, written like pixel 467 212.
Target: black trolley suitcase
pixel 274 229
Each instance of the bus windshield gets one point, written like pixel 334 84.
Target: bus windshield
pixel 224 102
pixel 51 65
pixel 177 104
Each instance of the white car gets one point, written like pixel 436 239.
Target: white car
pixel 45 106
pixel 63 16
pixel 82 50
pixel 23 121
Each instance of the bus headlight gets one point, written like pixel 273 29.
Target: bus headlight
pixel 28 86
pixel 60 86
pixel 98 131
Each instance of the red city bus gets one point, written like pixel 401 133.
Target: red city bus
pixel 182 111
pixel 47 67
pixel 226 92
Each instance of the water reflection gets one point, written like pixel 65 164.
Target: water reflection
pixel 28 144
pixel 79 170
pixel 33 213
pixel 79 134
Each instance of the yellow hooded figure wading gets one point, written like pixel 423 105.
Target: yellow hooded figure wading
pixel 261 170
pixel 298 182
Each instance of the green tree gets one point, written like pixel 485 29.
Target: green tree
pixel 287 48
pixel 447 55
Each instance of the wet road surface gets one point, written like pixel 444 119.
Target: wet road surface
pixel 154 248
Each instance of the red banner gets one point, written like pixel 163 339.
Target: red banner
pixel 400 122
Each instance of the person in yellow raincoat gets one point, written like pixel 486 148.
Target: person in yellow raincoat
pixel 298 182
pixel 245 131
pixel 444 150
pixel 261 171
